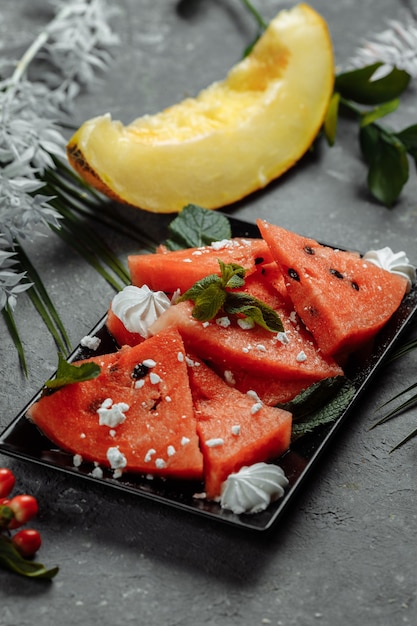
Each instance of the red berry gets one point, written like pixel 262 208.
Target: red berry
pixel 27 541
pixel 24 508
pixel 7 481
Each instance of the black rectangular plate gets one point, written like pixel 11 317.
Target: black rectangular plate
pixel 23 440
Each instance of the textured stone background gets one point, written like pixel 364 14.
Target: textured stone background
pixel 346 552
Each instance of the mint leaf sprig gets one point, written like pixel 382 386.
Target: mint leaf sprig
pixel 371 93
pixel 211 295
pixel 67 373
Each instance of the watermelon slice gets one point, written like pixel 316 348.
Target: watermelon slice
pixel 223 342
pixel 235 429
pixel 343 300
pixel 180 269
pixel 146 388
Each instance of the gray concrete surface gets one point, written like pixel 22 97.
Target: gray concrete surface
pixel 346 551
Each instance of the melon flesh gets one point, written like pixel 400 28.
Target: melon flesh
pixel 343 300
pixel 158 435
pixel 234 428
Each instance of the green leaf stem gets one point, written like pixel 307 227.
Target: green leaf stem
pixel 12 560
pixel 67 373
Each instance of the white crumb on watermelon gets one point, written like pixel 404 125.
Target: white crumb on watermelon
pixel 236 429
pixel 191 363
pixel 139 383
pixel 224 322
pixel 112 414
pixel 215 442
pixel 149 455
pixel 187 261
pixel 260 347
pixel 149 363
pixel 180 357
pixel 112 432
pixel 283 338
pixel 256 407
pixel 155 378
pixel 206 324
pixel 229 377
pixel 77 459
pixel 293 317
pixel 252 394
pixel 116 458
pixel 247 348
pixel 82 435
pixel 168 399
pixel 223 243
pixel 184 441
pixel 171 451
pixel 160 463
pixel 90 342
pixel 246 323
pixel 301 356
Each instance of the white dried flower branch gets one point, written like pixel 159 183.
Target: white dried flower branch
pixel 394 47
pixel 73 45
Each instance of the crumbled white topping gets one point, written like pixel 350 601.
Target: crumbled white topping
pixel 171 451
pixel 301 356
pixel 229 377
pixel 184 441
pixel 112 414
pixel 90 342
pixel 155 378
pixel 293 317
pixel 116 458
pixel 252 394
pixel 224 321
pixel 83 436
pixel 180 357
pixel 77 459
pixel 149 454
pixel 246 323
pixel 215 442
pixel 256 407
pixel 283 337
pixel 260 347
pixel 168 399
pixel 149 363
pixel 235 429
pixel 139 383
pixel 97 472
pixel 160 463
pixel 223 243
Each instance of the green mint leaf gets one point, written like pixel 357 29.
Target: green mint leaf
pixel 256 310
pixel 379 111
pixel 209 302
pixel 12 560
pixel 321 403
pixel 199 287
pixel 359 86
pixel 232 274
pixel 67 373
pixel 195 227
pixel 387 159
pixel 408 137
pixel 330 121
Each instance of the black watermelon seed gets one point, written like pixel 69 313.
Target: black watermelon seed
pixel 259 260
pixel 355 285
pixel 293 274
pixel 336 273
pixel 309 250
pixel 139 371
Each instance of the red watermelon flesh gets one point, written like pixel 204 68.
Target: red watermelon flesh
pixel 271 391
pixel 235 429
pixel 119 331
pixel 290 356
pixel 158 435
pixel 180 269
pixel 343 300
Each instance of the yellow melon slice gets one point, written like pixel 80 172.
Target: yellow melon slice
pixel 232 139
